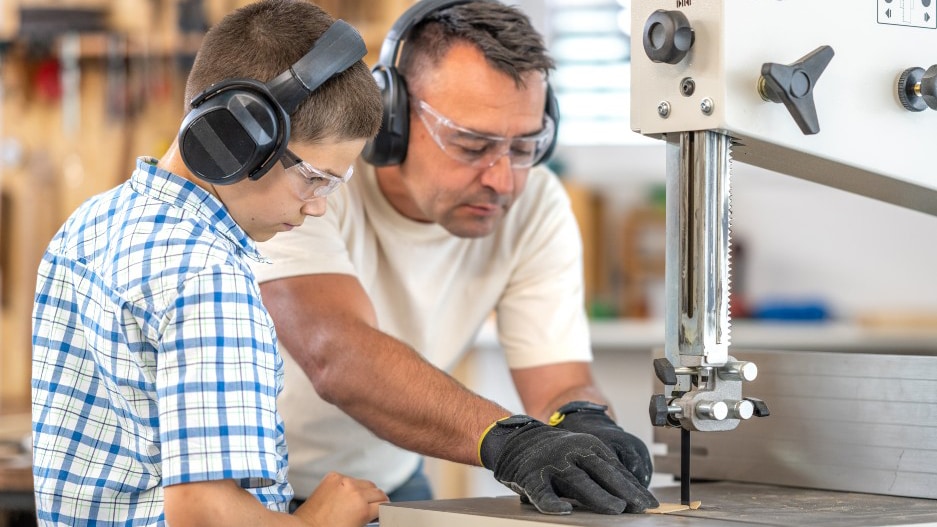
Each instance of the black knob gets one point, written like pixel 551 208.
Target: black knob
pixel 658 410
pixel 917 89
pixel 929 87
pixel 665 372
pixel 793 85
pixel 761 408
pixel 667 36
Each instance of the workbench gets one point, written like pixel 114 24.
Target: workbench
pixel 724 504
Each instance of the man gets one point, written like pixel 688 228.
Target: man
pixel 377 301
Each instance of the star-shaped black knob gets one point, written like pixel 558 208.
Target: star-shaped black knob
pixel 793 85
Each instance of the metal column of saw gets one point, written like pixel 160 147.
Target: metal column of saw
pixel 704 388
pixel 703 383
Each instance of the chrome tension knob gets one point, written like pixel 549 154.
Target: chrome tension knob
pixel 743 409
pixel 738 371
pixel 715 410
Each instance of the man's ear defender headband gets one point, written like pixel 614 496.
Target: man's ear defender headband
pixel 389 146
pixel 239 128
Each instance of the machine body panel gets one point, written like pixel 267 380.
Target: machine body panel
pixel 867 143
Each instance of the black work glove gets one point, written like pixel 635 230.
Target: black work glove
pixel 590 418
pixel 544 464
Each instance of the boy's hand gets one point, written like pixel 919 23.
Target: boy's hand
pixel 341 501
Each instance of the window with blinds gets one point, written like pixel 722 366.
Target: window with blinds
pixel 591 43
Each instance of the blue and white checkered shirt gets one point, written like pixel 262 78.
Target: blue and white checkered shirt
pixel 154 361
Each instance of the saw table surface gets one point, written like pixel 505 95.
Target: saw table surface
pixel 724 504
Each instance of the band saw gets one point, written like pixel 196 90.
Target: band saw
pixel 839 92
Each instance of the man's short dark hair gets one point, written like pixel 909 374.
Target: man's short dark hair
pixel 502 33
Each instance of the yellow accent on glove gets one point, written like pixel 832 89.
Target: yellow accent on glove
pixel 556 418
pixel 482 438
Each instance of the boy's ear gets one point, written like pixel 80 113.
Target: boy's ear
pixel 235 130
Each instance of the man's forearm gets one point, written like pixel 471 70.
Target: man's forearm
pixel 579 393
pixel 389 388
pixel 328 325
pixel 543 389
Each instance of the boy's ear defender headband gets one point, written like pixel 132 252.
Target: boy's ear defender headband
pixel 389 146
pixel 239 128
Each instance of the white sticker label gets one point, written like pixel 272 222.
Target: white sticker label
pixel 914 13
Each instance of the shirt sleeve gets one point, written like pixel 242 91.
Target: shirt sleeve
pixel 318 246
pixel 541 317
pixel 217 382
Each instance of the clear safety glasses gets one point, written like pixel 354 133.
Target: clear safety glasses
pixel 309 181
pixel 483 150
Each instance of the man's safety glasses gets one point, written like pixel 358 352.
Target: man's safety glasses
pixel 309 181
pixel 483 150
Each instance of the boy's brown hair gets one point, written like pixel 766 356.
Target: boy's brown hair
pixel 265 38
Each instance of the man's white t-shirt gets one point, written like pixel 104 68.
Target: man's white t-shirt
pixel 433 291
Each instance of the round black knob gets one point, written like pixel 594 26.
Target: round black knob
pixel 917 88
pixel 667 36
pixel 908 83
pixel 658 410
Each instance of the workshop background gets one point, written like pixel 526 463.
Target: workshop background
pixel 89 85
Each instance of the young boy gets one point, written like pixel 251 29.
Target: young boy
pixel 155 364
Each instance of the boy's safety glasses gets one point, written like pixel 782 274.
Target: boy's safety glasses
pixel 310 182
pixel 482 150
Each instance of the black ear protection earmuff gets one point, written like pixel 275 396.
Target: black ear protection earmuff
pixel 389 146
pixel 239 128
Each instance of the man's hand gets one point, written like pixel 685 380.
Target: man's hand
pixel 590 418
pixel 544 464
